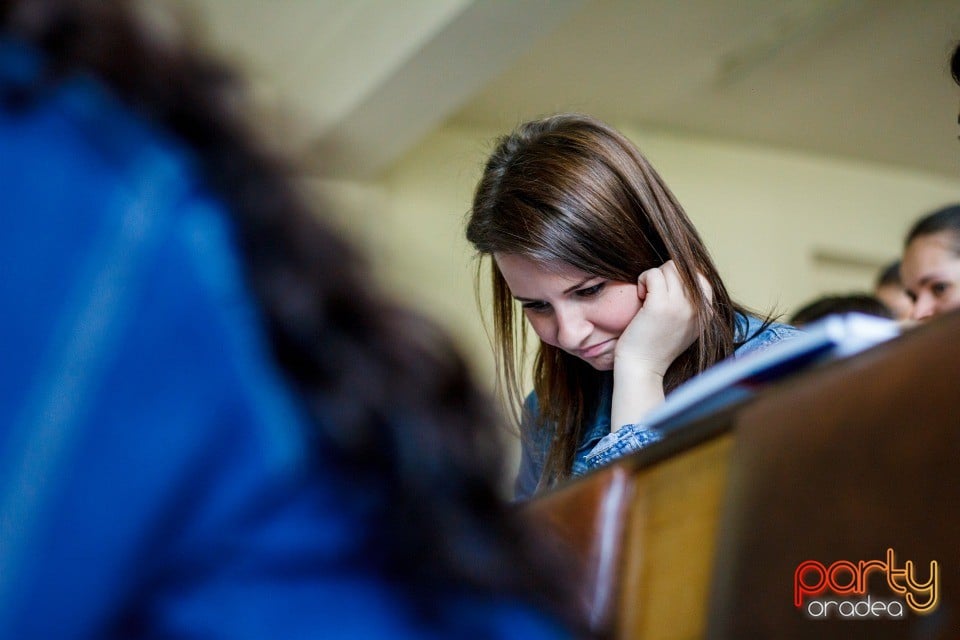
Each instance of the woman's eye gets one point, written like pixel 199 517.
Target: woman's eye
pixel 536 307
pixel 590 291
pixel 938 288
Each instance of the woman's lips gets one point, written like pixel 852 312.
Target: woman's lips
pixel 595 350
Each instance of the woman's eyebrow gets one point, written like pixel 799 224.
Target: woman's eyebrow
pixel 928 278
pixel 565 291
pixel 579 284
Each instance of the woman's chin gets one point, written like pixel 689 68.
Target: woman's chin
pixel 602 362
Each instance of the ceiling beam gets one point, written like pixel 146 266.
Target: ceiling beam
pixel 422 90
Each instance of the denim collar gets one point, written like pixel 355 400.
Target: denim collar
pixel 600 425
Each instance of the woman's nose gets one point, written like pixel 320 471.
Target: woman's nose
pixel 572 329
pixel 923 307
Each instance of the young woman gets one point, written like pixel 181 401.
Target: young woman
pixel 217 426
pixel 614 280
pixel 931 263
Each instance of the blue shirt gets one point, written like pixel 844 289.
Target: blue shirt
pixel 598 446
pixel 154 479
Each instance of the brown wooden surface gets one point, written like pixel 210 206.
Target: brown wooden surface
pixel 838 463
pixel 589 518
pixel 670 542
pixel 842 465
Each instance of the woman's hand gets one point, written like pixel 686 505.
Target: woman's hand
pixel 666 323
pixel 663 328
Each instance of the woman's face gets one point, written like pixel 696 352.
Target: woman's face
pixel 895 298
pixel 931 274
pixel 570 309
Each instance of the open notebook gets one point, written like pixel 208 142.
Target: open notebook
pixel 737 379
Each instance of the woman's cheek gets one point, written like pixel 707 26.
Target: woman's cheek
pixel 541 327
pixel 624 306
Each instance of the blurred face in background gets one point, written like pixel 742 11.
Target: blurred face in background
pixel 931 274
pixel 895 298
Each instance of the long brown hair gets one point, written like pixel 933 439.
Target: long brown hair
pixel 392 403
pixel 570 188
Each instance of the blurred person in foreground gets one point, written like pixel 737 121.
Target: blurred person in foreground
pixel 214 425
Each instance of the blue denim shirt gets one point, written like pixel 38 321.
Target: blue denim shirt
pixel 598 446
pixel 154 480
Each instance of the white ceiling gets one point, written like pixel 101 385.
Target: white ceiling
pixel 368 79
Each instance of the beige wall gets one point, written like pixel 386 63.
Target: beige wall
pixel 766 213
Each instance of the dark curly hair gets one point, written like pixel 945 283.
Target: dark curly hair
pixel 387 391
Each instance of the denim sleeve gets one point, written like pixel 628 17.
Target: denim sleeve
pixel 626 440
pixel 772 334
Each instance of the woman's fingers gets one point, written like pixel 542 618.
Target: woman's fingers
pixel 705 287
pixel 666 278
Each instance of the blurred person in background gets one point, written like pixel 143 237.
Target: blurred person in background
pixel 888 288
pixel 930 268
pixel 829 305
pixel 214 424
pixel 931 263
